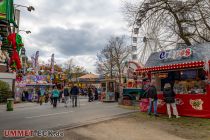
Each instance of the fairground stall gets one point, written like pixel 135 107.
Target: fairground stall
pixel 26 89
pixel 133 87
pixel 108 87
pixel 187 70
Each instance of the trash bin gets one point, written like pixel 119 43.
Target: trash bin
pixel 10 104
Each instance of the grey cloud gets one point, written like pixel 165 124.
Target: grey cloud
pixel 72 27
pixel 71 42
pixel 71 8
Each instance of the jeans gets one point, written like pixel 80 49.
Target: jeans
pixel 66 98
pixel 74 100
pixel 55 99
pixel 153 103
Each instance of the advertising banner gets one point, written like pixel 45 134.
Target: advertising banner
pixel 3 9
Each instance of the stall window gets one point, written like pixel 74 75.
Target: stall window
pixel 103 86
pixel 190 82
pixel 111 87
pixel 182 82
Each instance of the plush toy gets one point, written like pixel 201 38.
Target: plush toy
pixel 16 43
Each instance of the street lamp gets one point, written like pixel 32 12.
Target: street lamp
pixel 23 59
pixel 29 8
pixel 27 32
pixel 23 51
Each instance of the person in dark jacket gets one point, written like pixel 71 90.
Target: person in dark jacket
pixel 66 95
pixel 74 93
pixel 152 95
pixel 96 93
pixel 169 97
pixel 90 94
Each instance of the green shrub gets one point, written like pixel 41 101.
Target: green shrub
pixel 5 91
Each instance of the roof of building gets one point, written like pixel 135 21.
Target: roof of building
pixel 89 76
pixel 200 52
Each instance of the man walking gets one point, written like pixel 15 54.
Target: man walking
pixel 42 95
pixel 66 95
pixel 74 93
pixel 152 95
pixel 90 95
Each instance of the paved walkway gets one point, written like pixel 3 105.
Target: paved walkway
pixel 29 104
pixel 20 105
pixel 34 116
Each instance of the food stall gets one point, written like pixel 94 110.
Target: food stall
pixel 187 70
pixel 134 83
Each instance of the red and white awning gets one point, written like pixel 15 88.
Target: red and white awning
pixel 192 64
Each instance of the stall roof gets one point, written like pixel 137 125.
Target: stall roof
pixel 201 52
pixel 89 76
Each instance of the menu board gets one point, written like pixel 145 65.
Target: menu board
pixel 190 74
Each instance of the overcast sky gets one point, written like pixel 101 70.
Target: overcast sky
pixel 71 28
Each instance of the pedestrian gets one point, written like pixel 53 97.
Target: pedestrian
pixel 23 96
pixel 66 95
pixel 90 95
pixel 41 97
pixel 38 95
pixel 169 98
pixel 51 96
pixel 60 95
pixel 117 96
pixel 82 92
pixel 74 93
pixel 96 93
pixel 26 95
pixel 55 94
pixel 152 95
pixel 47 96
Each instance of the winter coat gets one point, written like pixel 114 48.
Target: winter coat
pixel 90 92
pixel 42 92
pixel 55 93
pixel 66 92
pixel 169 95
pixel 74 91
pixel 152 92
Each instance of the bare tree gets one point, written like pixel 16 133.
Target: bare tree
pixel 69 66
pixel 105 64
pixel 183 21
pixel 112 57
pixel 72 70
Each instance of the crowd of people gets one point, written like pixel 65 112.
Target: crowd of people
pixel 65 95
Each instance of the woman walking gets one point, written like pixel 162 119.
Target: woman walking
pixel 169 97
pixel 55 94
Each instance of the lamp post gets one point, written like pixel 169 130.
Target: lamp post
pixel 26 31
pixel 23 59
pixel 29 8
pixel 17 15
